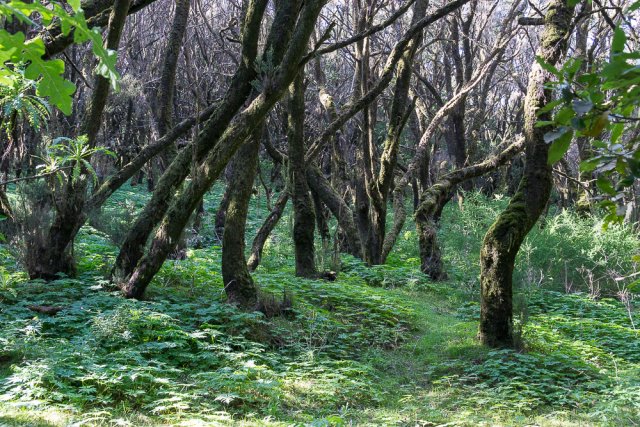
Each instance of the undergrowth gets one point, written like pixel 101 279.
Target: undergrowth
pixel 379 346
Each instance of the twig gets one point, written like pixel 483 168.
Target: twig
pixel 26 178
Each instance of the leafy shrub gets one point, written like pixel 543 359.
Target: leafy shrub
pixel 565 252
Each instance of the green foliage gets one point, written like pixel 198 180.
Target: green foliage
pixel 565 252
pixel 601 105
pixel 16 52
pixel 68 158
pixel 581 353
pixel 186 352
pixel 18 103
pixel 381 346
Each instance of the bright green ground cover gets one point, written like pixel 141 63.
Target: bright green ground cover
pixel 379 346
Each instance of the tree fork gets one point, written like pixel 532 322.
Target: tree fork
pixel 53 255
pixel 239 90
pixel 434 199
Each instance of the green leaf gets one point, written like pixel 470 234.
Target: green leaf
pixel 582 106
pixel 559 147
pixel 605 186
pixel 555 134
pixel 616 132
pixel 619 40
pixel 564 115
pixel 550 106
pixel 548 67
pixel 589 165
pixel 75 5
pixel 543 123
pixel 52 84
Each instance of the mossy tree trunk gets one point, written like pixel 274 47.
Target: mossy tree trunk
pixel 336 204
pixel 303 211
pixel 166 90
pixel 435 198
pixel 503 240
pixel 132 249
pixel 583 202
pixel 238 283
pixel 265 230
pixel 209 169
pixel 53 255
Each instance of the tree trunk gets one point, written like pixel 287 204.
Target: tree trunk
pixel 503 240
pixel 435 198
pixel 132 248
pixel 53 255
pixel 344 215
pixel 303 212
pixel 238 284
pixel 207 171
pixel 583 202
pixel 265 230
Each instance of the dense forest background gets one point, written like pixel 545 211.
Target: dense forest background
pixel 324 213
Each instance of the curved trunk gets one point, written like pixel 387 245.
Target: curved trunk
pixel 207 171
pixel 503 240
pixel 265 230
pixel 132 248
pixel 424 145
pixel 344 215
pixel 435 198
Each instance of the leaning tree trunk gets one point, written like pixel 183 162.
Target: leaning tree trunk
pixel 238 284
pixel 132 249
pixel 435 198
pixel 380 189
pixel 583 203
pixel 265 230
pixel 336 204
pixel 166 90
pixel 303 211
pixel 503 240
pixel 207 171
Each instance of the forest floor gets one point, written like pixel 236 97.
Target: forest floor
pixel 380 346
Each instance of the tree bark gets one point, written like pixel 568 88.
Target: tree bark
pixel 434 199
pixel 303 212
pixel 343 214
pixel 265 230
pixel 53 255
pixel 207 171
pixel 503 240
pixel 238 283
pixel 379 189
pixel 583 202
pixel 239 90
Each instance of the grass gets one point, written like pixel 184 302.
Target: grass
pixel 379 346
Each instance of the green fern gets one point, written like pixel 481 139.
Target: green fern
pixel 18 103
pixel 67 154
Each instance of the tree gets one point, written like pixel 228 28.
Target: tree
pixel 503 240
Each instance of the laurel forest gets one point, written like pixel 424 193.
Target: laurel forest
pixel 319 212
